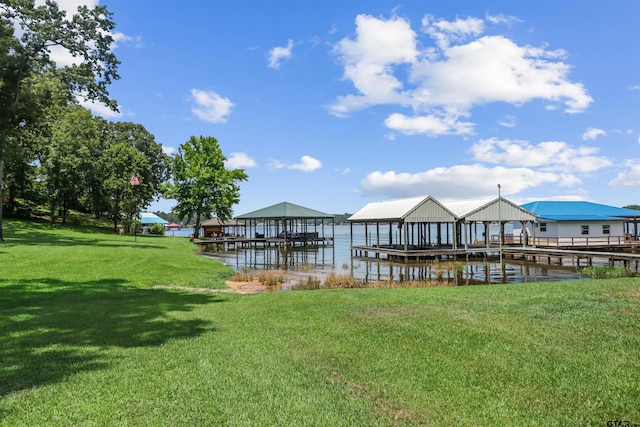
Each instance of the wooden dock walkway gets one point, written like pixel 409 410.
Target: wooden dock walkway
pixel 535 254
pixel 579 257
pixel 232 243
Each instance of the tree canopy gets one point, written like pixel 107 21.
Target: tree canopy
pixel 28 33
pixel 201 184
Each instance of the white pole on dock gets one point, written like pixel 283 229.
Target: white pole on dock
pixel 499 225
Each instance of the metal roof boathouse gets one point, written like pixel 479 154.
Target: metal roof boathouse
pixel 423 227
pixel 288 224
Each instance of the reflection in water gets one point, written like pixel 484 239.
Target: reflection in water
pixel 300 263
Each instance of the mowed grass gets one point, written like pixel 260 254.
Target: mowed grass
pixel 86 340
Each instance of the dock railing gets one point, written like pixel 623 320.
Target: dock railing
pixel 579 241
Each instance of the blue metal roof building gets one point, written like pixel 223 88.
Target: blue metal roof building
pixel 148 218
pixel 579 211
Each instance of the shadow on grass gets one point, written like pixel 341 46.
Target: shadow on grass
pixel 50 329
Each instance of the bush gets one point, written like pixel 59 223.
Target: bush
pixel 157 229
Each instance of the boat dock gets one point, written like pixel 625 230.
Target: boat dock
pixel 232 243
pixel 626 259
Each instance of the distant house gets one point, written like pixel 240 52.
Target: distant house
pixel 147 219
pixel 578 224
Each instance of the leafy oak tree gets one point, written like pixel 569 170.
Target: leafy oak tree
pixel 67 163
pixel 131 149
pixel 27 35
pixel 201 184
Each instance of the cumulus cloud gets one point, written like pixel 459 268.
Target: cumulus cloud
pixel 630 177
pixel 389 64
pixel 239 161
pixel 552 156
pixel 518 165
pixel 210 106
pixel 277 54
pixel 460 182
pixel 593 133
pixel 307 164
pixel 428 125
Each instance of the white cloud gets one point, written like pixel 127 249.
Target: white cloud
pixel 508 121
pixel 593 133
pixel 502 19
pixel 239 161
pixel 445 32
pixel 629 177
pixel 368 62
pixel 119 37
pixel 389 65
pixel 307 164
pixel 99 109
pixel 277 54
pixel 428 125
pixel 168 150
pixel 276 164
pixel 460 182
pixel 552 156
pixel 517 165
pixel 210 106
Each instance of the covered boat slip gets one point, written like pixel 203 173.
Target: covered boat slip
pixel 422 227
pixel 288 225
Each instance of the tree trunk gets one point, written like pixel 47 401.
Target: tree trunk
pixel 1 187
pixel 64 211
pixel 52 213
pixel 196 227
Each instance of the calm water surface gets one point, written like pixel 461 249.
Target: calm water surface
pixel 300 263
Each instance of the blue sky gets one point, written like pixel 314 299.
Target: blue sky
pixel 334 104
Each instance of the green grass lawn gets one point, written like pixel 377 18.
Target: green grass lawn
pixel 85 340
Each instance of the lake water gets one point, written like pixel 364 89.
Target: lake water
pixel 300 262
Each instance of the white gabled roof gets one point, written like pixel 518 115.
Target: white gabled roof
pixel 428 209
pixel 410 209
pixel 489 209
pixel 462 208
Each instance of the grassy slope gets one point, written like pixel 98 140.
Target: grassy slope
pixel 84 340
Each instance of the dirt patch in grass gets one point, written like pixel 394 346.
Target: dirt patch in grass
pixel 252 287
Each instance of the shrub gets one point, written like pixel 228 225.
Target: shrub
pixel 242 276
pixel 270 278
pixel 312 283
pixel 157 229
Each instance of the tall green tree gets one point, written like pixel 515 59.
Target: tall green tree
pixel 201 184
pixel 87 37
pixel 132 149
pixel 43 101
pixel 68 163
